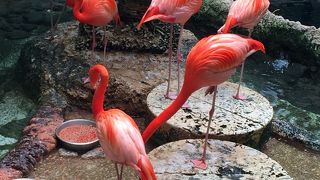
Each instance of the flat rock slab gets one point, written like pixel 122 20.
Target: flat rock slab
pixel 226 160
pixel 239 121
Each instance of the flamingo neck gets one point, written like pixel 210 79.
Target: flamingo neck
pixel 167 113
pixel 98 97
pixel 76 11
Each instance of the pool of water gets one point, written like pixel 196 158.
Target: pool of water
pixel 15 107
pixel 294 96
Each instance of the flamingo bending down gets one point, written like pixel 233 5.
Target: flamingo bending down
pixel 210 62
pixel 95 13
pixel 118 133
pixel 246 14
pixel 172 11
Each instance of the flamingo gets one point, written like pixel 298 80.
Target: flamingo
pixel 172 11
pixel 210 62
pixel 246 14
pixel 95 13
pixel 118 134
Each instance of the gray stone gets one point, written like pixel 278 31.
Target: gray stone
pixel 66 153
pixel 234 120
pixel 226 160
pixel 94 153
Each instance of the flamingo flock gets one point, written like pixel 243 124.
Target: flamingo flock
pixel 209 63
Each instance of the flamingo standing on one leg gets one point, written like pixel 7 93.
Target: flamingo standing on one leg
pixel 95 13
pixel 246 14
pixel 210 62
pixel 118 134
pixel 172 11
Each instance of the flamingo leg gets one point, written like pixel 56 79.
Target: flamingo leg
pixel 168 94
pixel 93 41
pixel 238 96
pixel 105 43
pixel 59 17
pixel 201 163
pixel 121 170
pixel 117 170
pixel 179 56
pixel 51 19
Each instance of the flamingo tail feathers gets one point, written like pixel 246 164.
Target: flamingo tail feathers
pixel 117 19
pixel 152 11
pixel 230 23
pixel 146 169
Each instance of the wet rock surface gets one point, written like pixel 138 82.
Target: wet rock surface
pixel 37 141
pixel 239 121
pixel 289 131
pixel 226 160
pixel 24 18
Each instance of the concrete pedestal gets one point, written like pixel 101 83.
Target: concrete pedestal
pixel 226 160
pixel 239 121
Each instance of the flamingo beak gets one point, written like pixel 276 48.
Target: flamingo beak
pixel 85 80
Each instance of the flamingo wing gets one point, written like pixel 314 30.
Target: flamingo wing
pixel 99 12
pixel 217 53
pixel 119 137
pixel 171 11
pixel 248 12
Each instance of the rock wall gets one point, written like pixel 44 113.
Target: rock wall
pixel 24 18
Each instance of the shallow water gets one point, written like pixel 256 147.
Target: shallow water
pixel 15 111
pixel 294 97
pixel 15 106
pixel 299 163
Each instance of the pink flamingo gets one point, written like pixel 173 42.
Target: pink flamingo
pixel 118 133
pixel 95 13
pixel 172 11
pixel 246 14
pixel 210 62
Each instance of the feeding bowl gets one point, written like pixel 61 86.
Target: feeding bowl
pixel 76 146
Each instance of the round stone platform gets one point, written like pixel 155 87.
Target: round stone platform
pixel 226 160
pixel 234 120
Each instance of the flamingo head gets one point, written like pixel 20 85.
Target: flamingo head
pixel 96 73
pixel 256 45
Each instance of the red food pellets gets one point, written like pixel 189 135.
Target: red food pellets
pixel 78 133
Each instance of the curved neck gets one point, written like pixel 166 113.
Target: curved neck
pixel 167 113
pixel 76 11
pixel 98 97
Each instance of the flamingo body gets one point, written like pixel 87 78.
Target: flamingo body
pixel 210 62
pixel 245 13
pixel 171 11
pixel 95 12
pixel 118 133
pixel 70 3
